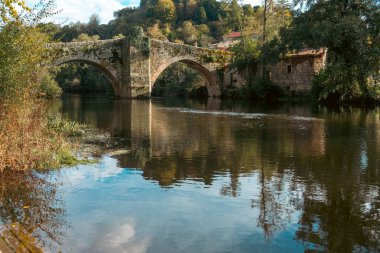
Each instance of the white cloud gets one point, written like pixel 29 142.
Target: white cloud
pixel 252 2
pixel 81 10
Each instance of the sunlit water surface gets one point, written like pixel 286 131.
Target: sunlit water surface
pixel 210 177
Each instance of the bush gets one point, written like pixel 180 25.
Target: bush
pixel 336 83
pixel 23 54
pixel 262 88
pixel 26 141
pixel 49 87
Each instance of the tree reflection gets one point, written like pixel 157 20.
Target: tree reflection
pixel 341 223
pixel 31 205
pixel 320 175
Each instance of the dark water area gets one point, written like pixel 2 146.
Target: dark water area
pixel 209 177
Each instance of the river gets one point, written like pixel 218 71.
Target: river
pixel 209 177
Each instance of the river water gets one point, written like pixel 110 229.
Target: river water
pixel 210 177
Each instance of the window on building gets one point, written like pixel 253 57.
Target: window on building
pixel 289 68
pixel 269 75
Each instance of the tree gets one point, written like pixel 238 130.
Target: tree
pixel 201 15
pixel 279 15
pixel 190 7
pixel 265 13
pixel 165 11
pixel 94 20
pixel 69 32
pixel 248 10
pixel 23 52
pixel 8 9
pixel 233 15
pixel 350 31
pixel 212 8
pixel 85 37
pixel 145 3
pixel 246 56
pixel 155 32
pixel 93 25
pixel 189 32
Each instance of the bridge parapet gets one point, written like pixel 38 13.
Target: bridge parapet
pixel 217 58
pixel 132 71
pixel 84 43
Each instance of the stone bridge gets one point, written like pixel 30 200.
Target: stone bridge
pixel 133 65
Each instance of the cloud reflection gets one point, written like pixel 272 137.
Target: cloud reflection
pixel 123 239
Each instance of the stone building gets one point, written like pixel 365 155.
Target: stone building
pixel 294 73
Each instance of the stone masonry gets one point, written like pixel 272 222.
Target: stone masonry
pixel 133 69
pixel 294 73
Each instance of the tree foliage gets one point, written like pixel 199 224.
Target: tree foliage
pixel 9 9
pixel 165 10
pixel 350 29
pixel 22 53
pixel 246 56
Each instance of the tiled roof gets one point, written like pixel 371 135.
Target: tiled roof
pixel 308 52
pixel 234 35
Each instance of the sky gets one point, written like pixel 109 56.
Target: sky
pixel 81 10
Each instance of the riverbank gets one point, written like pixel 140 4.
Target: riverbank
pixel 32 139
pixel 88 143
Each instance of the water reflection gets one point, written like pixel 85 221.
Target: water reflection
pixel 310 172
pixel 31 210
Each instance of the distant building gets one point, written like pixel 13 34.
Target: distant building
pixel 294 73
pixel 233 36
pixel 228 41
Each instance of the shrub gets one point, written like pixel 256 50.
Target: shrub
pixel 336 83
pixel 49 87
pixel 262 88
pixel 26 141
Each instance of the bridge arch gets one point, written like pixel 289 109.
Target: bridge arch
pixel 110 73
pixel 209 76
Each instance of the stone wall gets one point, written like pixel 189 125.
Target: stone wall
pixel 132 71
pixel 105 55
pixel 295 72
pixel 207 62
pixel 139 73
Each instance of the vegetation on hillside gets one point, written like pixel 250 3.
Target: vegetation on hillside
pixel 194 22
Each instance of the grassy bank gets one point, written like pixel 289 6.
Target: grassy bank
pixel 28 140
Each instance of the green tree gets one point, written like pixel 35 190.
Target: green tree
pixel 165 11
pixel 189 33
pixel 85 37
pixel 233 15
pixel 246 57
pixel 350 31
pixel 212 8
pixel 23 52
pixel 201 15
